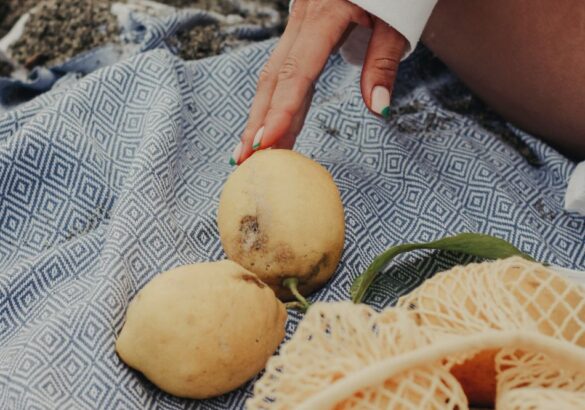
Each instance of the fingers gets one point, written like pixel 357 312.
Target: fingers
pixel 288 140
pixel 285 87
pixel 324 25
pixel 267 83
pixel 385 51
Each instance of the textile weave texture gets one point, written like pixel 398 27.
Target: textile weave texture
pixel 116 177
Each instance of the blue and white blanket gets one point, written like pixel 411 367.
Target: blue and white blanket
pixel 111 179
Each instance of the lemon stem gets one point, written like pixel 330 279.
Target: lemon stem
pixel 292 284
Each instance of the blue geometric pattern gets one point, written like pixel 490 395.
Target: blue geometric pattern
pixel 108 182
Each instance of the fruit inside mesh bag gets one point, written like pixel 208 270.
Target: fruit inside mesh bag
pixel 504 295
pixel 484 334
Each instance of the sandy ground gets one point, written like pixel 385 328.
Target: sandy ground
pixel 64 28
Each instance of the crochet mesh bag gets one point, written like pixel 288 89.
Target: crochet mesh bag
pixel 507 294
pixel 336 340
pixel 529 380
pixel 541 399
pixel 346 356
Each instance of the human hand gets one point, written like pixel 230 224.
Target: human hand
pixel 285 85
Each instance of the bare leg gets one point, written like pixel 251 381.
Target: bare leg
pixel 524 58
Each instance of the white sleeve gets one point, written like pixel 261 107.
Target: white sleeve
pixel 575 195
pixel 408 17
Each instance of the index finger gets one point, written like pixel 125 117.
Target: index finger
pixel 325 23
pixel 268 79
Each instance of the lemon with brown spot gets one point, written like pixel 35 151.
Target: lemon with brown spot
pixel 281 216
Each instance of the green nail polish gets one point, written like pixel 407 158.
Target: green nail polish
pixel 232 161
pixel 258 139
pixel 386 112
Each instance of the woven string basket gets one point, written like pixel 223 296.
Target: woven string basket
pixel 346 356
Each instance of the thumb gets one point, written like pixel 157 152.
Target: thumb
pixel 385 50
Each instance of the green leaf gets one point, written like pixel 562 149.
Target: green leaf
pixel 484 246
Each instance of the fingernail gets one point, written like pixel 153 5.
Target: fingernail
pixel 236 154
pixel 258 139
pixel 381 101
